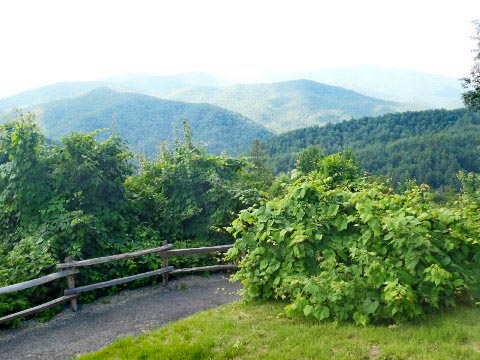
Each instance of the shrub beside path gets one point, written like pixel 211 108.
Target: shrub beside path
pixel 130 312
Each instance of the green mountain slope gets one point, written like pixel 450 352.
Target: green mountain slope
pixel 291 104
pixel 430 146
pixel 146 121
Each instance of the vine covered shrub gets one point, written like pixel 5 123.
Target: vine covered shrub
pixel 59 200
pixel 83 197
pixel 187 194
pixel 358 251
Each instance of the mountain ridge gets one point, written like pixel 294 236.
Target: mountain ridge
pixel 146 121
pixel 144 84
pixel 291 104
pixel 424 89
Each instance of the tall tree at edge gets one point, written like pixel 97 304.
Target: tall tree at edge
pixel 471 98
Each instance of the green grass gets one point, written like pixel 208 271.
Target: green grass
pixel 262 331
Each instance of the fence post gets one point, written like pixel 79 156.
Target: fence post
pixel 164 264
pixel 71 285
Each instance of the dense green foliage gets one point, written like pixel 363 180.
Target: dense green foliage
pixel 332 244
pixel 58 201
pixel 145 122
pixel 189 194
pixel 81 198
pixel 471 97
pixel 340 247
pixel 429 146
pixel 291 104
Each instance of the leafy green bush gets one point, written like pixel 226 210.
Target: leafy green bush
pixel 359 251
pixel 470 186
pixel 189 195
pixel 309 159
pixel 81 198
pixel 59 200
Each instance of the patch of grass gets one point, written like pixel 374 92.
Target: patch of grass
pixel 262 331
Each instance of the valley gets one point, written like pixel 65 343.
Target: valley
pixel 389 138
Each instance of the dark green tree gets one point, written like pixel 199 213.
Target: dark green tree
pixel 309 160
pixel 187 194
pixel 471 97
pixel 341 167
pixel 258 155
pixel 257 175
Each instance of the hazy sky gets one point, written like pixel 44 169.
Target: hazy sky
pixel 48 41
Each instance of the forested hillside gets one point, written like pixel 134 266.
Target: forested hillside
pixel 145 122
pixel 291 104
pixel 429 146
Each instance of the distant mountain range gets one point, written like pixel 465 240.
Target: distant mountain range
pixel 291 104
pixel 150 85
pixel 228 117
pixel 430 146
pixel 145 121
pixel 407 86
pixel 161 85
pixel 277 106
pixel 47 94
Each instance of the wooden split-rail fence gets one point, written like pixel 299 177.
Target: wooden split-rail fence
pixel 71 268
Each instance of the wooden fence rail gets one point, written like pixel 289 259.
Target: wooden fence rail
pixel 119 281
pixel 105 259
pixel 70 268
pixel 39 281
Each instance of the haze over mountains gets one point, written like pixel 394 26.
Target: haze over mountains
pixel 161 85
pixel 228 116
pixel 290 104
pixel 400 85
pixel 150 85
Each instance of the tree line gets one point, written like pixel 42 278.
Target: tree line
pixel 426 146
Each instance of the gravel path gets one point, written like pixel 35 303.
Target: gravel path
pixel 130 312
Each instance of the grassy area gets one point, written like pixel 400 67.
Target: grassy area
pixel 261 331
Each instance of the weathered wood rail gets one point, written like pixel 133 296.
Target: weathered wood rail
pixel 70 268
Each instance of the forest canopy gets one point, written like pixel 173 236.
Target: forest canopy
pixel 426 146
